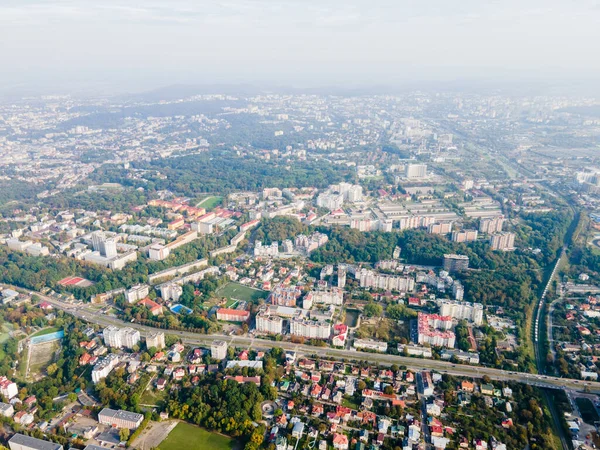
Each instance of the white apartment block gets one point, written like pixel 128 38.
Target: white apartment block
pixel 218 349
pixel 104 367
pixel 333 296
pixel 371 279
pixel 310 329
pixel 158 252
pixel 473 312
pixel 414 171
pixel 137 292
pixel 266 250
pixel 121 337
pixel 370 344
pixel 156 340
pixel 266 323
pixel 8 388
pixel 350 192
pixel 171 291
pixel 330 201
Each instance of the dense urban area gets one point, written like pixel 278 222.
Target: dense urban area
pixel 300 271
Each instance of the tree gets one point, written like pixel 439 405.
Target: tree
pixel 373 310
pixel 124 434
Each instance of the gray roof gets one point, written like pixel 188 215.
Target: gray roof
pixel 125 415
pixel 94 447
pixel 34 443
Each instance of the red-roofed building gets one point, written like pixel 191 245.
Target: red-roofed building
pixel 340 441
pixel 233 315
pixel 154 307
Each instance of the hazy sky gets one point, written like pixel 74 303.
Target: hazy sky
pixel 137 43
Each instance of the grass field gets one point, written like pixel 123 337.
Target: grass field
pixel 46 331
pixel 4 332
pixel 151 397
pixel 210 202
pixel 191 437
pixel 40 357
pixel 236 291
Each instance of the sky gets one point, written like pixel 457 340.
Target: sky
pixel 135 44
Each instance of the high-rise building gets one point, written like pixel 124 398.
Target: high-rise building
pixel 333 296
pixel 137 292
pixel 491 225
pixel 341 273
pixel 170 291
pixel 310 329
pixel 435 330
pixel 502 241
pixel 371 279
pixel 440 228
pixel 156 340
pixel 415 171
pixel 455 263
pixel 266 323
pixel 218 349
pixel 158 252
pixel 271 250
pixel 330 201
pixel 107 246
pixel 8 388
pixel 121 337
pixel 464 236
pixel 472 312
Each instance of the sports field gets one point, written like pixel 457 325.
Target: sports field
pixel 191 437
pixel 210 203
pixel 236 291
pixel 46 331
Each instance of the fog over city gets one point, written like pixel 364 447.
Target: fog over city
pixel 133 44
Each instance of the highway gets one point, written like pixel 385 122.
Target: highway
pixel 85 313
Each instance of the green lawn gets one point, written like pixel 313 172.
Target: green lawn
pixel 349 403
pixel 236 291
pixel 152 397
pixel 191 437
pixel 210 202
pixel 5 330
pixel 47 331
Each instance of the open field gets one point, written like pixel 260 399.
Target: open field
pixel 40 357
pixel 152 397
pixel 236 291
pixel 5 329
pixel 191 437
pixel 210 202
pixel 383 329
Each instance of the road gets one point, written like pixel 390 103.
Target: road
pixel 538 338
pixel 85 313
